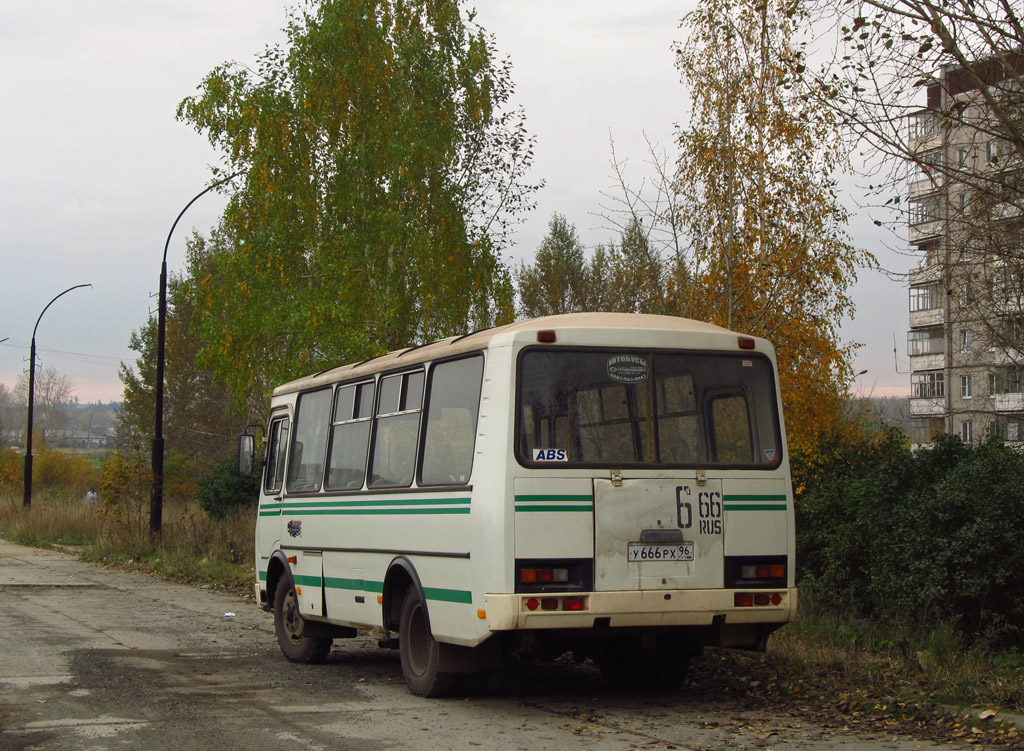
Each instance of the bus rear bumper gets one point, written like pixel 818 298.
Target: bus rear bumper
pixel 633 609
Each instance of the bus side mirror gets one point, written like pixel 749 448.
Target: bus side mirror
pixel 246 454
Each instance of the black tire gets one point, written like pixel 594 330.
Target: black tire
pixel 420 652
pixel 297 645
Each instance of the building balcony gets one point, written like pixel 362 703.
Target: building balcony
pixel 925 230
pixel 1009 402
pixel 927 407
pixel 924 185
pixel 1007 356
pixel 924 274
pixel 934 361
pixel 929 317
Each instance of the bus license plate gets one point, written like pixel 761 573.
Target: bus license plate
pixel 683 552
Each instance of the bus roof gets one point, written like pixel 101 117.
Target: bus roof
pixel 482 339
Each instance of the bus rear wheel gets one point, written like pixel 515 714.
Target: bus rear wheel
pixel 420 652
pixel 291 630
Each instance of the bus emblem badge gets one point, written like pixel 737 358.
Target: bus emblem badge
pixel 295 528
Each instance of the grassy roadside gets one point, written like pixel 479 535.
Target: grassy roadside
pixel 866 670
pixel 193 548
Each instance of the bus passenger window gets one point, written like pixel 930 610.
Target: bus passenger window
pixel 350 436
pixel 397 430
pixel 450 433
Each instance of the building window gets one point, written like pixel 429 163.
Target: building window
pixel 927 210
pixel 966 339
pixel 995 149
pixel 926 342
pixel 967 431
pixel 966 386
pixel 925 297
pixel 924 166
pixel 929 384
pixel 923 124
pixel 963 156
pixel 1008 381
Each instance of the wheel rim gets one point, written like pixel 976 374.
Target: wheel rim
pixel 290 618
pixel 419 641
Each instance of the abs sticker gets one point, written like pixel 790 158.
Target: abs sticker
pixel 627 368
pixel 769 454
pixel 550 455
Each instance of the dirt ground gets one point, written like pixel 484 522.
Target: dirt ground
pixel 96 659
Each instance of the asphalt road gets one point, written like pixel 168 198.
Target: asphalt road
pixel 96 659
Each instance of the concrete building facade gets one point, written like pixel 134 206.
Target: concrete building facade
pixel 966 303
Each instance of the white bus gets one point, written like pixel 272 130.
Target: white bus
pixel 613 485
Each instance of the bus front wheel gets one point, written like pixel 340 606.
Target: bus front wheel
pixel 419 651
pixel 291 630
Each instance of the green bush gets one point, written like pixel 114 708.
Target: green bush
pixel 221 490
pixel 911 537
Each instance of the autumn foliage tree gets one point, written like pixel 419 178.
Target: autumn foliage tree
pixel 382 168
pixel 768 252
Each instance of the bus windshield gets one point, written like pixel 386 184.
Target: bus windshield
pixel 633 408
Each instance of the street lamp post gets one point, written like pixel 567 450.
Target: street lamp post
pixel 156 494
pixel 31 397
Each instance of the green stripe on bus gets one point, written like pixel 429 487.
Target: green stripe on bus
pixel 388 502
pixel 372 511
pixel 554 508
pixel 754 502
pixel 547 497
pixel 309 581
pixel 448 595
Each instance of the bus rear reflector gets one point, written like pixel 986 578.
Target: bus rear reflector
pixel 572 603
pixel 759 599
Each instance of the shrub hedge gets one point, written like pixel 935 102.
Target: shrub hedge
pixel 910 537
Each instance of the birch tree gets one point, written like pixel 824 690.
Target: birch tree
pixel 769 254
pixel 382 168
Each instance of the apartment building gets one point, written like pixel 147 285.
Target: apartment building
pixel 966 299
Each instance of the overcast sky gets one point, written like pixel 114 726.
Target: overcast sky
pixel 96 168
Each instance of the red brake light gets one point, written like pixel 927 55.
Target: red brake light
pixel 546 337
pixel 746 342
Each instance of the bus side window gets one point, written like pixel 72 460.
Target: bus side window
pixel 396 432
pixel 350 436
pixel 453 403
pixel 275 456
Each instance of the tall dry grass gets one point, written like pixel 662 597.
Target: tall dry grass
pixel 191 547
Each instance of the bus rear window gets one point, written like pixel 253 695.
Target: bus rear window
pixel 608 407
